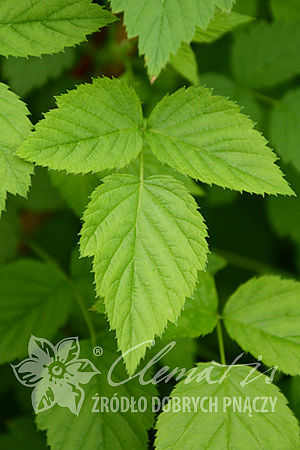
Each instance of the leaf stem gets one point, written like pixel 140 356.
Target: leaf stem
pixel 141 166
pixel 48 258
pixel 85 314
pixel 221 342
pixel 265 98
pixel 250 264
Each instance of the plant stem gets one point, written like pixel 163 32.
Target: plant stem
pixel 221 342
pixel 265 98
pixel 48 258
pixel 85 314
pixel 141 166
pixel 250 264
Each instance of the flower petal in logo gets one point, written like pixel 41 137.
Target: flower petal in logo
pixel 55 373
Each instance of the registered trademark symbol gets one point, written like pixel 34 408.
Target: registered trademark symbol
pixel 97 351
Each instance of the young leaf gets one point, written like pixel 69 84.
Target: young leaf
pixel 222 23
pixel 26 74
pixel 285 133
pixel 15 126
pixel 266 55
pixel 154 167
pixel 100 430
pixel 148 242
pixel 224 427
pixel 206 137
pixel 199 316
pixel 263 316
pixel 96 127
pixel 162 25
pixel 34 299
pixel 34 28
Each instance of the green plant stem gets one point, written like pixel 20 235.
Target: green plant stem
pixel 250 264
pixel 48 258
pixel 85 314
pixel 221 342
pixel 141 166
pixel 265 98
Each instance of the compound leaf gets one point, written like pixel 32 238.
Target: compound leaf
pixel 95 127
pixel 206 137
pixel 162 25
pixel 37 27
pixel 263 316
pixel 148 242
pixel 15 126
pixel 34 299
pixel 227 425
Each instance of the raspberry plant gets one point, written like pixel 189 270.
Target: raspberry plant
pixel 159 116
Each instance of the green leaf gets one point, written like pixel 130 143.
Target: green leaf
pixel 15 126
pixel 148 242
pixel 183 354
pixel 222 85
pixel 222 23
pixel 206 137
pixel 154 167
pixel 162 25
pixel 26 74
pixel 287 11
pixel 75 189
pixel 263 316
pixel 47 27
pixel 100 430
pixel 285 133
pixel 185 63
pixel 284 213
pixel 34 299
pixel 246 7
pixel 266 55
pixel 215 263
pixel 227 428
pixel 199 316
pixel 96 127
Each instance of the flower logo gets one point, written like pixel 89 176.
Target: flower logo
pixel 55 373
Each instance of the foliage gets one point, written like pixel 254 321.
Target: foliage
pixel 138 143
